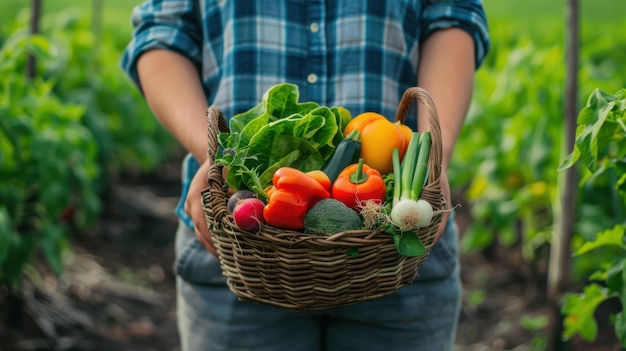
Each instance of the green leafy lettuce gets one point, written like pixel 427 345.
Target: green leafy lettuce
pixel 279 132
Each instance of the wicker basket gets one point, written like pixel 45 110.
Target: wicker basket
pixel 301 272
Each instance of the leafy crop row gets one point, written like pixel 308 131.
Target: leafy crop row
pixel 600 150
pixel 63 135
pixel 507 159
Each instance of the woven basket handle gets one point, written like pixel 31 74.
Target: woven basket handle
pixel 421 95
pixel 216 124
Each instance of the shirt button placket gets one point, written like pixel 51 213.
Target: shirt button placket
pixel 316 62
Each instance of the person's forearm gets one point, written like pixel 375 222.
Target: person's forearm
pixel 446 72
pixel 172 88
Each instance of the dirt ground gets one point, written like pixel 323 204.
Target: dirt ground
pixel 118 292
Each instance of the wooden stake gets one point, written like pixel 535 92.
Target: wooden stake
pixel 31 64
pixel 565 205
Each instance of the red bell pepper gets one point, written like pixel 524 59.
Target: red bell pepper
pixel 320 176
pixel 294 193
pixel 358 183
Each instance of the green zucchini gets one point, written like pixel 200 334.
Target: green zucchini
pixel 346 153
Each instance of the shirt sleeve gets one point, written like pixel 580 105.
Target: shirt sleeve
pixel 468 15
pixel 165 24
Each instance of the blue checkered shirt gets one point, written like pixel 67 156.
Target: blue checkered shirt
pixel 358 54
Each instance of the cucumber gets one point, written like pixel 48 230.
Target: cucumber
pixel 346 153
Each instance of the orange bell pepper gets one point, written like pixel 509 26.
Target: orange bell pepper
pixel 379 136
pixel 295 192
pixel 358 183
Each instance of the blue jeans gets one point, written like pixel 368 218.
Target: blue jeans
pixel 419 317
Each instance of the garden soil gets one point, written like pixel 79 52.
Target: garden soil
pixel 118 291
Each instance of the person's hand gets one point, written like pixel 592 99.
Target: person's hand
pixel 445 189
pixel 193 206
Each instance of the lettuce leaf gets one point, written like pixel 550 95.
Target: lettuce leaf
pixel 279 132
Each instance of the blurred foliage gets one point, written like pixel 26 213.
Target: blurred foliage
pixel 63 135
pixel 600 149
pixel 86 71
pixel 507 159
pixel 80 121
pixel 47 162
pixel 509 150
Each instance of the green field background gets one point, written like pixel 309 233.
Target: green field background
pixel 517 114
pixel 536 18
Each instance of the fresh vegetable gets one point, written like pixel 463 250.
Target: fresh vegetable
pixel 238 196
pixel 279 132
pixel 375 214
pixel 406 131
pixel 330 216
pixel 317 174
pixel 357 184
pixel 389 187
pixel 295 193
pixel 344 117
pixel 248 214
pixel 379 137
pixel 361 120
pixel 408 211
pixel 321 178
pixel 410 214
pixel 346 153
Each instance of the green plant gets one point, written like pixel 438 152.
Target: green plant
pixel 509 148
pixel 280 131
pixel 63 134
pixel 535 324
pixel 86 71
pixel 600 150
pixel 47 167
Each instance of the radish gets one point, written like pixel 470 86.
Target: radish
pixel 408 211
pixel 248 214
pixel 238 196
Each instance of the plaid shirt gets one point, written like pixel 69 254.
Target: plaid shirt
pixel 358 54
